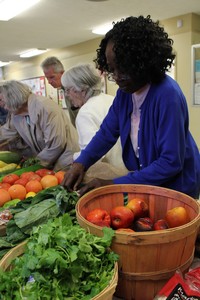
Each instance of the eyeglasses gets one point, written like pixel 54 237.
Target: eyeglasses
pixel 113 77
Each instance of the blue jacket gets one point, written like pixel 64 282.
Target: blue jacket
pixel 168 155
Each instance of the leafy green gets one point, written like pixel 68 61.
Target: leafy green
pixel 11 203
pixel 36 214
pixel 33 211
pixel 24 163
pixel 63 261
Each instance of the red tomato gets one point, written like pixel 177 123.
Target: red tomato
pixel 35 177
pixel 22 181
pixel 27 175
pixel 121 217
pixel 160 225
pixel 10 178
pixel 43 172
pixel 99 217
pixel 5 186
pixel 139 207
pixel 177 216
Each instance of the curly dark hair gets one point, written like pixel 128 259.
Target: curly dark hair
pixel 142 49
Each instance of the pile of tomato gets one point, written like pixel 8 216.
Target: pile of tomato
pixel 28 184
pixel 135 217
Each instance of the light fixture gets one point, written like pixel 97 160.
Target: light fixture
pixel 11 8
pixel 101 30
pixel 4 63
pixel 33 52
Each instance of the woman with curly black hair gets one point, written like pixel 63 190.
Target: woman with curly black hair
pixel 149 113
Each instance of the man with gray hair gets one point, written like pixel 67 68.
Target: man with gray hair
pixel 53 70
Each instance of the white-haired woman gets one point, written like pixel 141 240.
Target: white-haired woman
pixel 83 87
pixel 37 126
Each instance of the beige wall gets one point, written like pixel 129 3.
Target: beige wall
pixel 80 53
pixel 183 38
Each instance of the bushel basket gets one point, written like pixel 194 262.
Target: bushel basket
pixel 147 259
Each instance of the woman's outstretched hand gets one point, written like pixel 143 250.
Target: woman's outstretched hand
pixel 73 177
pixel 93 184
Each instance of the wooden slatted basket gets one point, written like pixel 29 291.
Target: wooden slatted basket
pixel 147 259
pixel 6 261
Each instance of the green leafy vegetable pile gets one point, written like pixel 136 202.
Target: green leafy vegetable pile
pixel 48 203
pixel 62 261
pixel 24 163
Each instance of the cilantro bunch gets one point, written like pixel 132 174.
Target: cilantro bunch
pixel 62 261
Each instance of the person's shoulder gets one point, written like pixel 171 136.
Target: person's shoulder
pixel 101 100
pixel 107 96
pixel 168 83
pixel 168 87
pixel 36 98
pixel 43 106
pixel 41 101
pixel 166 92
pixel 106 99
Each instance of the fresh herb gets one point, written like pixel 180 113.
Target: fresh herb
pixel 62 261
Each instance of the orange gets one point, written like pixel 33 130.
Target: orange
pixel 10 178
pixel 4 197
pixel 33 186
pixel 60 176
pixel 48 181
pixel 4 185
pixel 17 191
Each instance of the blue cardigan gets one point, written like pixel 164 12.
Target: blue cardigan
pixel 168 155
